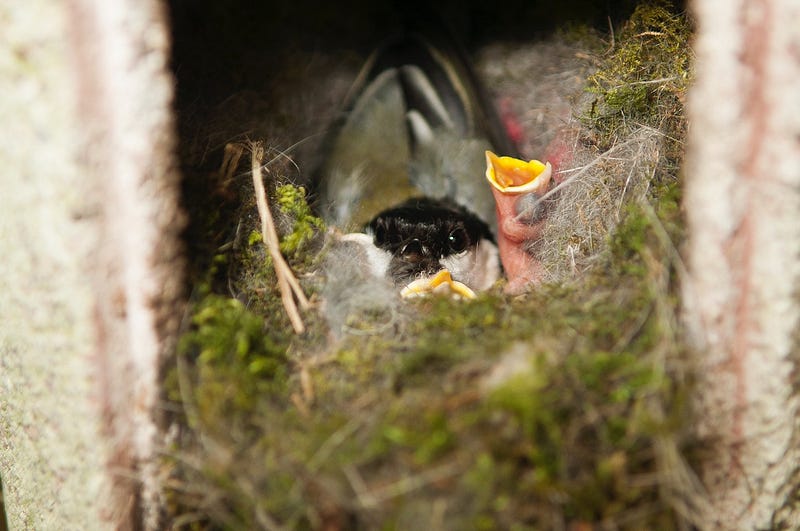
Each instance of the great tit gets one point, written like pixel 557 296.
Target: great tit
pixel 403 170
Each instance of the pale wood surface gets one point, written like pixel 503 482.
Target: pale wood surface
pixel 90 270
pixel 743 211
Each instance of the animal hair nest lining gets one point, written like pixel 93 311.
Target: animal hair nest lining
pixel 543 86
pixel 588 203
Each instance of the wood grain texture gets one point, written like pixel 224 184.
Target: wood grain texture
pixel 91 273
pixel 743 214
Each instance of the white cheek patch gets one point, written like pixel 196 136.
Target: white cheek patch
pixel 478 268
pixel 377 259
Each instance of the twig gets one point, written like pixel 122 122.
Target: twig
pixel 287 282
pixel 650 34
pixel 230 161
pixel 659 81
pixel 611 31
pixel 371 498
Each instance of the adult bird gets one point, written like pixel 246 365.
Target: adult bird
pixel 403 169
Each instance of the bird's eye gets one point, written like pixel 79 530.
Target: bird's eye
pixel 458 240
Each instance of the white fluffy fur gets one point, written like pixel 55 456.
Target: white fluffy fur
pixel 377 259
pixel 478 268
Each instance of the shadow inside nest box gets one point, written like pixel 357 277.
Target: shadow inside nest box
pixel 279 72
pixel 220 47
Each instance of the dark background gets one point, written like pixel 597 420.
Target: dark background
pixel 220 47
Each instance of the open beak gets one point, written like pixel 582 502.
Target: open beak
pixel 515 184
pixel 511 176
pixel 441 283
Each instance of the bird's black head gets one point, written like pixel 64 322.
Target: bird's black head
pixel 419 232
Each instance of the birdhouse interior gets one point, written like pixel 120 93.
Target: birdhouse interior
pixel 377 336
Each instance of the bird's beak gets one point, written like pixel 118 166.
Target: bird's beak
pixel 440 283
pixel 514 176
pixel 511 179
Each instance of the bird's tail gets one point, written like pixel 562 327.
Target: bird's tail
pixel 417 123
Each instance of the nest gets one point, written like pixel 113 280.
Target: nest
pixel 592 199
pixel 560 409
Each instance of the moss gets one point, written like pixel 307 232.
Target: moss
pixel 452 332
pixel 228 344
pixel 291 200
pixel 398 421
pixel 644 78
pixel 562 439
pixel 254 237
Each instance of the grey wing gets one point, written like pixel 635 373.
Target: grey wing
pixel 419 126
pixel 451 123
pixel 367 167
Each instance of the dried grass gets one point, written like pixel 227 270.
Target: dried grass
pixel 287 282
pixel 588 202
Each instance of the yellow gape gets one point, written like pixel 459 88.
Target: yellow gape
pixel 515 176
pixel 441 283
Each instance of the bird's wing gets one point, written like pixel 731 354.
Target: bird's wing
pixel 418 125
pixel 367 167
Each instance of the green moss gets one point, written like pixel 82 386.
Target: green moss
pixel 305 226
pixel 644 78
pixel 406 416
pixel 229 344
pixel 254 238
pixel 454 331
pixel 429 437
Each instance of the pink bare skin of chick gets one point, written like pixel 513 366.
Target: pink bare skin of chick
pixel 511 180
